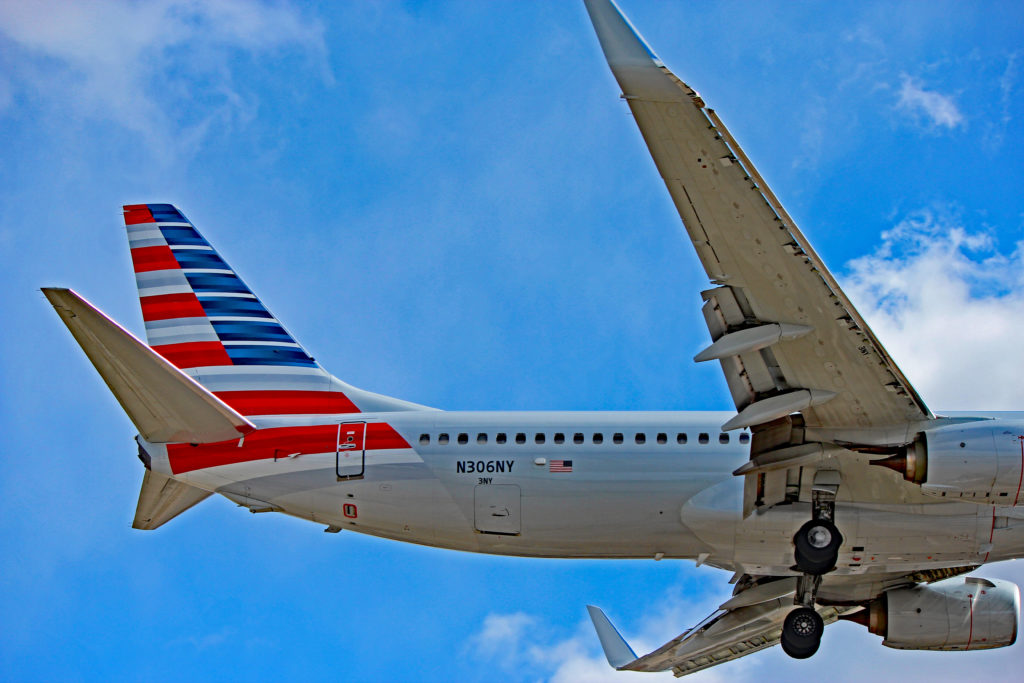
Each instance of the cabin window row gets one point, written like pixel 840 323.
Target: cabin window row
pixel 463 438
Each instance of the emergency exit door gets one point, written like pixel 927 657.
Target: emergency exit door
pixel 351 453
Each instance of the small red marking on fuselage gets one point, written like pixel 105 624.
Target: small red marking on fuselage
pixel 1020 479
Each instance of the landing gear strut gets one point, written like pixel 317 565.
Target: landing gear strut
pixel 817 550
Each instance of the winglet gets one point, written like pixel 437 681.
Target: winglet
pixel 616 649
pixel 637 69
pixel 622 43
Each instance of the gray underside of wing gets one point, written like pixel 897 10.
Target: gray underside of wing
pixel 830 367
pixel 725 636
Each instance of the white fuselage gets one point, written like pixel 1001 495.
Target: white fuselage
pixel 587 485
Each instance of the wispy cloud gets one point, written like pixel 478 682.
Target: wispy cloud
pixel 937 109
pixel 995 127
pixel 162 70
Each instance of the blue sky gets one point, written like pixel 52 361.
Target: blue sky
pixel 450 204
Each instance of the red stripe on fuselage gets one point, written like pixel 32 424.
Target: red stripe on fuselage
pixel 160 257
pixel 279 442
pixel 288 402
pixel 170 306
pixel 137 213
pixel 194 354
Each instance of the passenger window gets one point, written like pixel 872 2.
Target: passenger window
pixel 481 438
pixel 559 437
pixel 463 438
pixel 442 439
pixel 744 438
pixel 723 438
pixel 617 437
pixel 577 437
pixel 598 437
pixel 640 437
pixel 538 437
pixel 662 437
pixel 424 439
pixel 703 437
pixel 680 438
pixel 520 438
pixel 500 437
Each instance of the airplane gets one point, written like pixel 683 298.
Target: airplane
pixel 832 492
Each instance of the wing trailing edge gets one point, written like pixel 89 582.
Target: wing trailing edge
pixel 165 404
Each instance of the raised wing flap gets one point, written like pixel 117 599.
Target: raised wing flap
pixel 165 404
pixel 766 271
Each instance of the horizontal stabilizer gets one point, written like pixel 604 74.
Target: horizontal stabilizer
pixel 616 649
pixel 162 499
pixel 165 404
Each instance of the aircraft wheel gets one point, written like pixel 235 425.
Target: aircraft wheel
pixel 801 633
pixel 817 546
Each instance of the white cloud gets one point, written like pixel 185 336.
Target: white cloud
pixel 938 109
pixel 949 307
pixel 522 643
pixel 160 69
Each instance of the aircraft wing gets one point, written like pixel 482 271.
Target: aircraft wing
pixel 786 335
pixel 729 633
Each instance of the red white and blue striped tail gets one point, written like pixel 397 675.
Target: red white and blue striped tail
pixel 201 317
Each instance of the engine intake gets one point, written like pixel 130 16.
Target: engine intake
pixel 956 614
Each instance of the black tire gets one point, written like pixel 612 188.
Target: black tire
pixel 801 633
pixel 817 546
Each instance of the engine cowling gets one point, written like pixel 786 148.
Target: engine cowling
pixel 956 614
pixel 980 462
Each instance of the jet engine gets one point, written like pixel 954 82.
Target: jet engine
pixel 957 614
pixel 980 462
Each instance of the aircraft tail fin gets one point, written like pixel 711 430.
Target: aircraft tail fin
pixel 201 317
pixel 165 404
pixel 162 498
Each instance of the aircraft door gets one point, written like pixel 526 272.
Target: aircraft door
pixel 351 453
pixel 496 508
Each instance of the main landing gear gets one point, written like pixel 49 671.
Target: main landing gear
pixel 817 550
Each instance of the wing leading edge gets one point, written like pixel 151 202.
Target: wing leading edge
pixel 788 338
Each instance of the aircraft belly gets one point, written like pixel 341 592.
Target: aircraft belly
pixel 597 510
pixel 877 538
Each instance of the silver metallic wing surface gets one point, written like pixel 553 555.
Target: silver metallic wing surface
pixel 788 338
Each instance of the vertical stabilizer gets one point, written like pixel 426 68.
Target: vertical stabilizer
pixel 201 317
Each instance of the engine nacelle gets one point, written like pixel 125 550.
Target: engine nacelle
pixel 956 614
pixel 979 461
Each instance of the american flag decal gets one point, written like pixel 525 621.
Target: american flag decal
pixel 560 466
